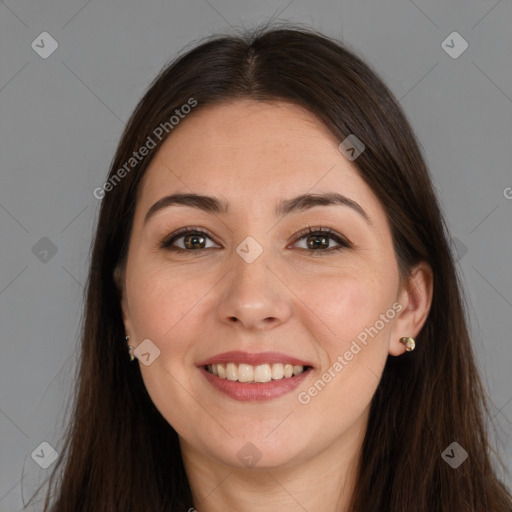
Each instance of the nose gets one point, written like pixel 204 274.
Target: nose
pixel 254 296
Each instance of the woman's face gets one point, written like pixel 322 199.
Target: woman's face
pixel 258 285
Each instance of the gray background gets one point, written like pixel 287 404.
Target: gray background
pixel 61 118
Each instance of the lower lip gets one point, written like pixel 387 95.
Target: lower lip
pixel 258 391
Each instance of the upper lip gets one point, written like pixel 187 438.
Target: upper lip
pixel 238 356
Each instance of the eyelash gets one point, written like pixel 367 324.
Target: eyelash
pixel 167 242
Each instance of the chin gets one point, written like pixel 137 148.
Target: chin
pixel 259 454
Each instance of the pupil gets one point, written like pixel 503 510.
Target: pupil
pixel 322 241
pixel 191 240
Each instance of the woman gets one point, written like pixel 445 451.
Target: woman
pixel 273 317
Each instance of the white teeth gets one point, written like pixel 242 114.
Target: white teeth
pixel 277 371
pixel 245 373
pixel 231 371
pixel 260 373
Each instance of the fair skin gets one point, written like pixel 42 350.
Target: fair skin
pixel 194 305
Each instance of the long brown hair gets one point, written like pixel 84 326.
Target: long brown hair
pixel 120 454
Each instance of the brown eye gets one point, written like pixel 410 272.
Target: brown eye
pixel 320 240
pixel 187 240
pixel 194 241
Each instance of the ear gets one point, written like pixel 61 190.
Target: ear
pixel 415 297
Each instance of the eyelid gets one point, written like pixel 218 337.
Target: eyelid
pixel 343 242
pixel 167 241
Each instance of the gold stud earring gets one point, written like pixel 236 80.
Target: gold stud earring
pixel 130 348
pixel 409 343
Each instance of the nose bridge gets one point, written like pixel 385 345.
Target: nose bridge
pixel 253 295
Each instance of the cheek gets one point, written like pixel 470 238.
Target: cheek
pixel 346 306
pixel 354 312
pixel 353 351
pixel 164 305
pixel 167 307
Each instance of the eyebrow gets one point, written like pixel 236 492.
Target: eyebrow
pixel 214 205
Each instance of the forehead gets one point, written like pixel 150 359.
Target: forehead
pixel 252 151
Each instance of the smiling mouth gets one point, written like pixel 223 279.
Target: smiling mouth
pixel 255 374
